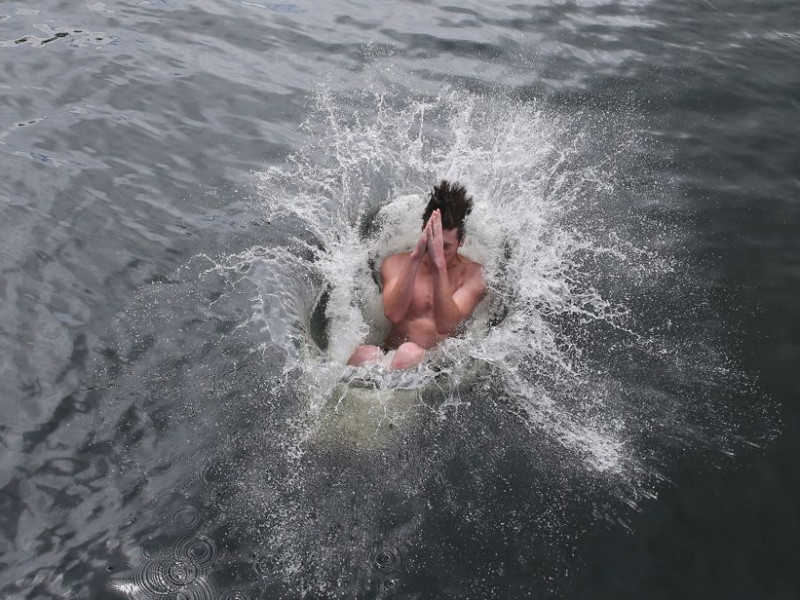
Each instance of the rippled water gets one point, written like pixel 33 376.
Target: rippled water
pixel 195 196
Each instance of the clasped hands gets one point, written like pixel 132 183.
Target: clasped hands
pixel 431 241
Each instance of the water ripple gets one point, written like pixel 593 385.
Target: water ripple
pixel 171 578
pixel 264 566
pixel 387 560
pixel 235 595
pixel 201 550
pixel 185 518
pixel 151 549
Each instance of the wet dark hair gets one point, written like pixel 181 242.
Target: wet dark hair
pixel 452 200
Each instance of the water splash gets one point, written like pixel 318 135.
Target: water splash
pixel 581 354
pixel 355 194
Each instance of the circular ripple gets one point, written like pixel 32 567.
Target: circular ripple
pixel 149 578
pixel 167 577
pixel 199 590
pixel 201 550
pixel 212 471
pixel 180 572
pixel 186 517
pixel 264 566
pixel 151 548
pixel 235 595
pixel 387 560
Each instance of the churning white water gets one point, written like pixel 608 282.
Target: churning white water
pixel 558 281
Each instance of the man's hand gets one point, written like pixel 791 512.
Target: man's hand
pixel 435 239
pixel 422 244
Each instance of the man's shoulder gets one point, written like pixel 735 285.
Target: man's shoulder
pixel 394 261
pixel 396 258
pixel 471 266
pixel 472 274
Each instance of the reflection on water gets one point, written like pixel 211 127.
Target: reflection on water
pixel 580 384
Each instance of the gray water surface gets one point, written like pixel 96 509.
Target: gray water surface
pixel 153 439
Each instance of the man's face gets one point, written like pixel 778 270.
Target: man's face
pixel 450 242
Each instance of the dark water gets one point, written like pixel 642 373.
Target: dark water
pixel 153 437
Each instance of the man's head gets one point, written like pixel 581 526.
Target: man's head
pixel 453 203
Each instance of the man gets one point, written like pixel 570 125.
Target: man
pixel 430 291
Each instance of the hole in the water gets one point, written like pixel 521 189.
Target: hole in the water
pixel 319 322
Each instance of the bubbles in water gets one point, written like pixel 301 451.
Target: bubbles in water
pixel 264 566
pixel 211 472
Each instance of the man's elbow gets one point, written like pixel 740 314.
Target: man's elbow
pixel 446 328
pixel 394 317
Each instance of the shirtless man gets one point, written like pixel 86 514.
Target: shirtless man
pixel 431 290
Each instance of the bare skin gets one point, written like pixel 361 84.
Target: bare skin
pixel 427 294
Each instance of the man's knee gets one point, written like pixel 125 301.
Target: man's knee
pixel 365 354
pixel 408 355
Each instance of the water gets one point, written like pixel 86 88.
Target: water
pixel 194 199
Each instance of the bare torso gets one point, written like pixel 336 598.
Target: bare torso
pixel 427 294
pixel 419 323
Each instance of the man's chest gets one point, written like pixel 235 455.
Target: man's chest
pixel 424 289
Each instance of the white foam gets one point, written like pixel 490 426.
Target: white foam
pixel 355 194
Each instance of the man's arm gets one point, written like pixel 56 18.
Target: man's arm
pixel 398 285
pixel 399 275
pixel 450 307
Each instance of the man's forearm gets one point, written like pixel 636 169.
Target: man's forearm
pixel 395 305
pixel 445 311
